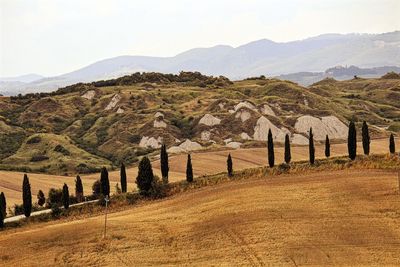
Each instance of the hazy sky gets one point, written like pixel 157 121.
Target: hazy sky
pixel 51 37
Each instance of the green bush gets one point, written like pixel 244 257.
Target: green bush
pixel 62 150
pixel 34 140
pixel 37 158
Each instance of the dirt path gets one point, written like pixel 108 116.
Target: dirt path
pixel 348 217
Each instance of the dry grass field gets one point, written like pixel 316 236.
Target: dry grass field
pixel 348 217
pixel 204 163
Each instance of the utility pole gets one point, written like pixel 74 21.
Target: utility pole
pixel 105 217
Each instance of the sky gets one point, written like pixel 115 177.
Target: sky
pixel 52 37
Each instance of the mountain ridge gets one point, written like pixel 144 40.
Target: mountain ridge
pixel 260 57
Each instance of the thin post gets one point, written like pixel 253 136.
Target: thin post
pixel 105 217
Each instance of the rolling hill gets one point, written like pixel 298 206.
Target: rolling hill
pixel 261 57
pixel 120 120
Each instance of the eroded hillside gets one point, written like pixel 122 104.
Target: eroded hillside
pixel 106 122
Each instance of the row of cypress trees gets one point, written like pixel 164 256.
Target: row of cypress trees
pixel 351 144
pixel 145 176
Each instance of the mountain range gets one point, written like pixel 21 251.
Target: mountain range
pixel 262 57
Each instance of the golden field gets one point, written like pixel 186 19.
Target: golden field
pixel 204 163
pixel 347 217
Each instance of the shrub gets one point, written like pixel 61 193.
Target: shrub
pixel 145 176
pixel 55 211
pixel 54 197
pixel 37 158
pixel 96 188
pixel 41 199
pixel 34 140
pixel 62 150
pixel 158 188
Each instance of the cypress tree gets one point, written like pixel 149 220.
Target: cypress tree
pixel 229 165
pixel 78 189
pixel 3 204
pixel 65 196
pixel 164 163
pixel 327 147
pixel 271 155
pixel 26 196
pixel 189 170
pixel 352 141
pixel 288 155
pixel 145 176
pixel 123 178
pixel 392 145
pixel 365 138
pixel 41 199
pixel 105 183
pixel 311 147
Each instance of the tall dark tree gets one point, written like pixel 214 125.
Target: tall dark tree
pixel 79 189
pixel 311 147
pixel 392 145
pixel 189 169
pixel 105 183
pixel 352 141
pixel 41 199
pixel 123 178
pixel 3 204
pixel 229 165
pixel 288 154
pixel 164 163
pixel 327 147
pixel 145 176
pixel 65 196
pixel 26 196
pixel 365 138
pixel 270 144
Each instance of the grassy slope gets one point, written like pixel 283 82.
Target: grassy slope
pixel 116 136
pixel 57 162
pixel 347 217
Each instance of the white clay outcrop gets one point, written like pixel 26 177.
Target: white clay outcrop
pixel 329 125
pixel 209 120
pixel 150 142
pixel 114 101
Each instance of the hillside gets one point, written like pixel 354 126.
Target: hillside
pixel 123 119
pixel 344 218
pixel 261 57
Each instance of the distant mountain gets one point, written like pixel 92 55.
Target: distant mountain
pixel 262 57
pixel 339 73
pixel 23 78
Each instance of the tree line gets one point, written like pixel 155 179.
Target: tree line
pixel 148 184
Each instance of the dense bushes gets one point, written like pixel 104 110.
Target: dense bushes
pixel 62 150
pixel 9 143
pixel 39 157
